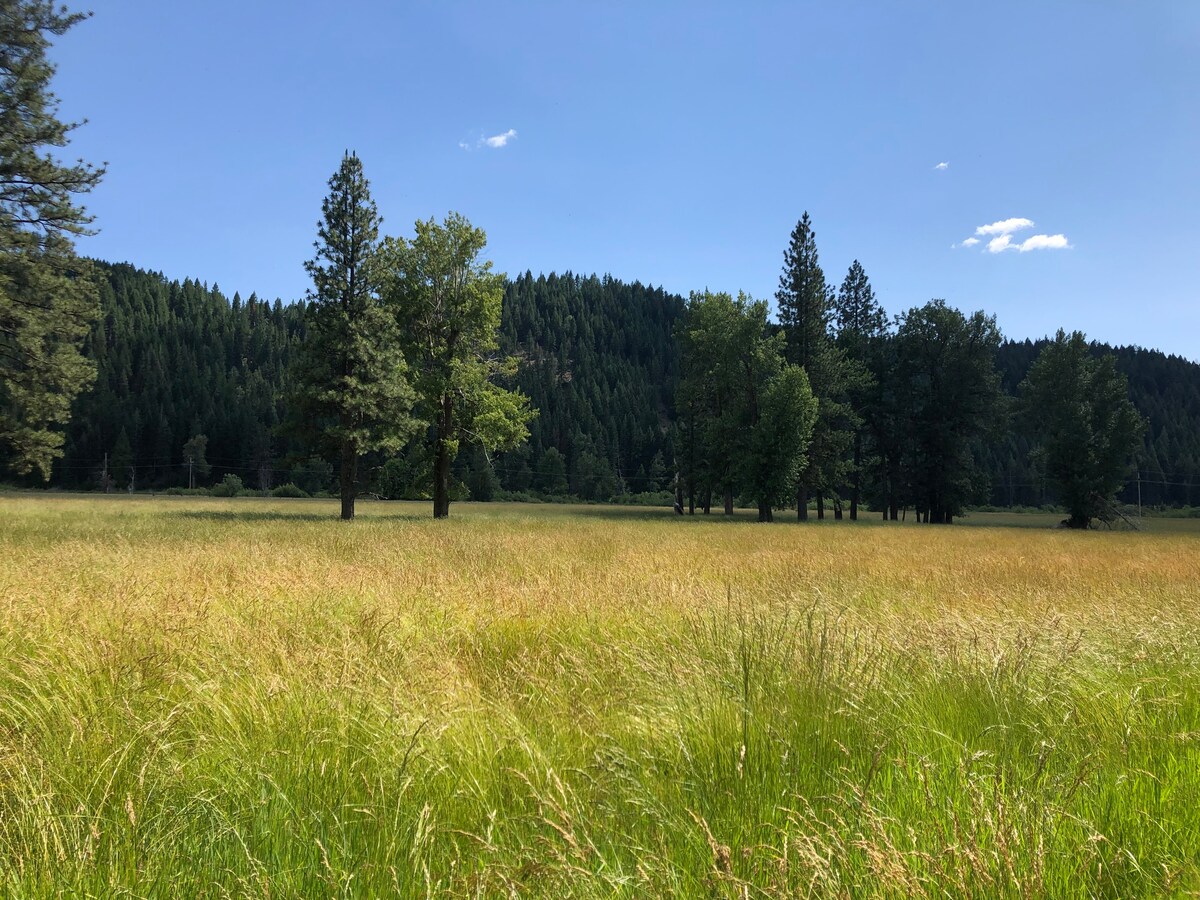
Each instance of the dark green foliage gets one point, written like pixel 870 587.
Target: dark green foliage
pixel 948 397
pixel 805 307
pixel 177 359
pixel 47 295
pixel 599 362
pixel 120 469
pixel 861 335
pixel 352 392
pixel 1164 389
pixel 230 486
pixel 195 458
pixel 1077 405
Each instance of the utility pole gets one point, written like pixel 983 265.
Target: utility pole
pixel 1139 478
pixel 191 481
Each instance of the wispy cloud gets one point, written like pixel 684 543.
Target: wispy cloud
pixel 970 242
pixel 1000 244
pixel 496 141
pixel 942 165
pixel 1004 226
pixel 500 140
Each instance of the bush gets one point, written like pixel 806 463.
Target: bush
pixel 187 492
pixel 289 490
pixel 230 486
pixel 323 495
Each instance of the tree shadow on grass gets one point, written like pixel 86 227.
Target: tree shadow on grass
pixel 231 515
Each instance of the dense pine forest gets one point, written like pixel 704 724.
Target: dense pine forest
pixel 599 359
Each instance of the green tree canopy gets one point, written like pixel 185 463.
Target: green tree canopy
pixel 446 300
pixel 1077 405
pixel 949 394
pixel 48 299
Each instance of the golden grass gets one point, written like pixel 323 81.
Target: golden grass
pixel 248 697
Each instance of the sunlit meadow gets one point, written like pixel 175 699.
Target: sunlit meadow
pixel 249 698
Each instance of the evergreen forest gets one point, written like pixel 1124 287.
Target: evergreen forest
pixel 599 359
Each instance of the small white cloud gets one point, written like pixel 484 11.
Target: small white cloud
pixel 500 140
pixel 1004 226
pixel 942 165
pixel 1044 242
pixel 999 244
pixel 464 145
pixel 970 242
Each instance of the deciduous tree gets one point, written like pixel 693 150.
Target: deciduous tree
pixel 446 300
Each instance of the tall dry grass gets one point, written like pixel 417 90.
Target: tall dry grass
pixel 249 698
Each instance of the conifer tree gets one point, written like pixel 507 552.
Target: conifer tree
pixel 47 297
pixel 804 302
pixel 353 391
pixel 861 326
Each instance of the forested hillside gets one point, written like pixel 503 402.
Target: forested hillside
pixel 600 363
pixel 599 359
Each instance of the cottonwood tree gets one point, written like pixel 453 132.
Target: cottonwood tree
pixel 804 302
pixel 48 299
pixel 949 394
pixel 353 394
pixel 446 300
pixel 1077 404
pixel 755 411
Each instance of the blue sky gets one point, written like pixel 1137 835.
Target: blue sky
pixel 672 143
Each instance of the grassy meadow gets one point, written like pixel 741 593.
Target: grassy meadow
pixel 249 698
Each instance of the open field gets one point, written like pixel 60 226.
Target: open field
pixel 249 698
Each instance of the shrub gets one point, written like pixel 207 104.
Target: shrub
pixel 230 486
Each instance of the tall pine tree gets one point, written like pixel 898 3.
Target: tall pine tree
pixel 804 302
pixel 861 327
pixel 47 297
pixel 353 391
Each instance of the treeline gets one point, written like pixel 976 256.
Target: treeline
pixel 600 361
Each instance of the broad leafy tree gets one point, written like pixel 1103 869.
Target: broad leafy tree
pixel 446 300
pixel 353 394
pixel 754 411
pixel 1077 404
pixel 48 299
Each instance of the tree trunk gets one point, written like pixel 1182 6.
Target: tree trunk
pixel 347 479
pixel 707 501
pixel 765 513
pixel 678 495
pixel 837 508
pixel 856 483
pixel 820 507
pixel 802 503
pixel 441 461
pixel 728 501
